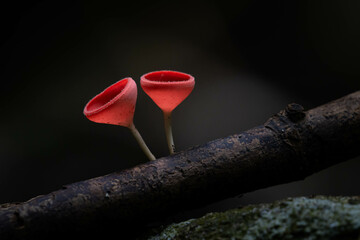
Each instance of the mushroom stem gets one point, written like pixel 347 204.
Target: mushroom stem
pixel 168 132
pixel 141 142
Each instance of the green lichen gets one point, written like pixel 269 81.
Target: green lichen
pixel 297 218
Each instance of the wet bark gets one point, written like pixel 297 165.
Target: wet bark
pixel 290 146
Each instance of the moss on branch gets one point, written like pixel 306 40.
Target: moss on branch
pixel 294 218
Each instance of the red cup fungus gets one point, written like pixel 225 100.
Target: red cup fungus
pixel 116 105
pixel 167 89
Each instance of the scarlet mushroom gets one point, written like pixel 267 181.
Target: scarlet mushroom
pixel 167 89
pixel 116 105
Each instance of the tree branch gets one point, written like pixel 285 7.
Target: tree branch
pixel 291 218
pixel 290 146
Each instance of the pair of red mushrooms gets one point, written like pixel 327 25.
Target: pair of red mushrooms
pixel 116 104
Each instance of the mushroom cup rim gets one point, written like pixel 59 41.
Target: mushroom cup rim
pixel 111 101
pixel 144 78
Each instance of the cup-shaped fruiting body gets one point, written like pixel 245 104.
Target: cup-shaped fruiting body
pixel 115 105
pixel 167 88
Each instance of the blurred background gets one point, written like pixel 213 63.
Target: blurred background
pixel 249 59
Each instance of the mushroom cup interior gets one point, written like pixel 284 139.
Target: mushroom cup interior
pixel 106 97
pixel 167 76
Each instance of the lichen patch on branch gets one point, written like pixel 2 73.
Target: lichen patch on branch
pixel 297 218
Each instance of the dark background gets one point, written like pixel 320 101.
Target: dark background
pixel 249 59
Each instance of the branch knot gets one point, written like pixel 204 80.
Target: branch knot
pixel 295 112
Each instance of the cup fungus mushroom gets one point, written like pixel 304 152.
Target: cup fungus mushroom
pixel 167 89
pixel 116 105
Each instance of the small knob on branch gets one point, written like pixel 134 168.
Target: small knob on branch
pixel 295 112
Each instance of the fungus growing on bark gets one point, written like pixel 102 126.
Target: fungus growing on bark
pixel 167 89
pixel 116 105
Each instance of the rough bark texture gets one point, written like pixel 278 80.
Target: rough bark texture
pixel 290 146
